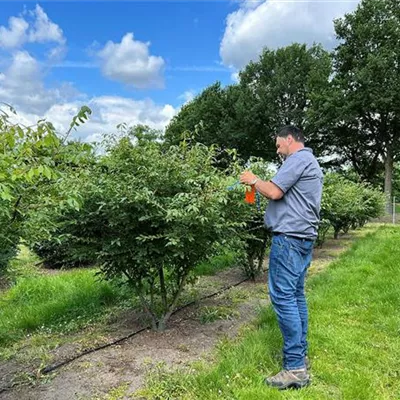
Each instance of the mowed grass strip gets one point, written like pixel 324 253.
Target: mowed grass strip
pixel 58 302
pixel 354 337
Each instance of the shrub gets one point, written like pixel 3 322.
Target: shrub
pixel 161 212
pixel 346 204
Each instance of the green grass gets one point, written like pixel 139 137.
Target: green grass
pixel 354 338
pixel 226 259
pixel 210 314
pixel 25 264
pixel 65 301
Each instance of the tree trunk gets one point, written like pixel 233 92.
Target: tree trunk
pixel 146 306
pixel 163 289
pixel 336 233
pixel 162 322
pixel 388 179
pixel 250 267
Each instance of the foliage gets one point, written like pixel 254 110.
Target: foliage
pixel 281 86
pixel 254 237
pixel 30 158
pixel 396 181
pixel 323 228
pixel 206 109
pixel 76 238
pixel 161 212
pixel 347 204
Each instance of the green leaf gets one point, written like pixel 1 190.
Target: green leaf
pixel 47 172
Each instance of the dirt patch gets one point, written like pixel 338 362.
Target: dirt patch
pixel 187 339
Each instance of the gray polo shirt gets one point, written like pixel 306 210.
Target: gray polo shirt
pixel 297 212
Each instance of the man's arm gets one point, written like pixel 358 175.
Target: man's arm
pixel 269 189
pixel 266 188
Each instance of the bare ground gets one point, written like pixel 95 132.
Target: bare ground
pixel 125 366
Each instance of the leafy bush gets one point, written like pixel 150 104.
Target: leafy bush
pixel 323 229
pixel 347 204
pixel 77 238
pixel 30 158
pixel 161 212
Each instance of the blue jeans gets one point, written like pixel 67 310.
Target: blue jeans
pixel 288 262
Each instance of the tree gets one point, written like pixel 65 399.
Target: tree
pixel 347 204
pixel 77 238
pixel 361 109
pixel 279 89
pixel 206 110
pixel 276 90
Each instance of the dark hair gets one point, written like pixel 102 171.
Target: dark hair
pixel 291 130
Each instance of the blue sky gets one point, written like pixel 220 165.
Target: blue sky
pixel 138 62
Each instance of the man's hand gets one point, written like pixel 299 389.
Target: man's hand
pixel 248 178
pixel 267 189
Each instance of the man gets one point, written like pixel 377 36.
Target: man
pixel 293 216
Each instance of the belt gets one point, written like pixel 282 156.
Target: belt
pixel 292 236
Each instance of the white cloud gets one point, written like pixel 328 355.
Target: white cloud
pixel 110 111
pixel 43 29
pixel 107 113
pixel 235 77
pixel 15 35
pixel 56 54
pixel 130 62
pixel 22 85
pixel 254 3
pixel 278 23
pixel 39 29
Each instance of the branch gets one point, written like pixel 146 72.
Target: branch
pixel 16 208
pixel 176 297
pixel 163 290
pixel 146 306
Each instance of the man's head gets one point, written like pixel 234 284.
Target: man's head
pixel 288 140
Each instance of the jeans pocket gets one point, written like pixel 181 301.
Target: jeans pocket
pixel 277 256
pixel 300 254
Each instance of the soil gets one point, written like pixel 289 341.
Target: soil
pixel 185 340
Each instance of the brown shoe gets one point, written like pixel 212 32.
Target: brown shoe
pixel 287 379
